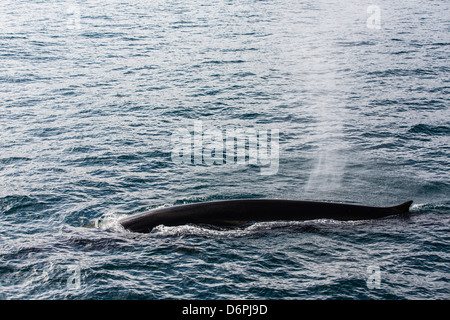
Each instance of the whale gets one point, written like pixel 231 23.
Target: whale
pixel 241 212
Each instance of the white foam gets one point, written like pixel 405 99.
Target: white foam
pixel 252 229
pixel 110 221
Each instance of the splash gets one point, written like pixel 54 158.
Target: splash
pixel 109 221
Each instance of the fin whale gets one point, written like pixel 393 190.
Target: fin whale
pixel 234 213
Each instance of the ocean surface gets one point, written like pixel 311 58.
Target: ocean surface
pixel 91 93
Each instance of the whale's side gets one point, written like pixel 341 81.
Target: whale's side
pixel 229 213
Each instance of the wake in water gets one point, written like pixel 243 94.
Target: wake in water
pixel 110 222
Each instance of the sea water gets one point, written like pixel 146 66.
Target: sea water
pixel 91 94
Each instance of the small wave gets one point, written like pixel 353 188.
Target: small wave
pixel 431 130
pixel 222 61
pixel 100 35
pixel 11 160
pixel 401 72
pixel 421 207
pixel 12 204
pixel 356 43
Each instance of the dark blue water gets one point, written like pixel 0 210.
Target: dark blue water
pixel 91 93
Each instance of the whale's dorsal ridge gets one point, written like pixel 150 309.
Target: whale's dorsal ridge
pixel 404 207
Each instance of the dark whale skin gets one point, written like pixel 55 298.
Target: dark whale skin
pixel 233 213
